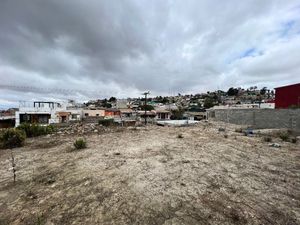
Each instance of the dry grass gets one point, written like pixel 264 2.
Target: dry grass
pixel 150 176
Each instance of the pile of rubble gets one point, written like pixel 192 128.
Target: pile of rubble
pixel 87 128
pixel 81 128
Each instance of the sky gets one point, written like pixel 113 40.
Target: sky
pixel 74 49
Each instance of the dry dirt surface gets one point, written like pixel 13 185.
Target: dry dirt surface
pixel 152 175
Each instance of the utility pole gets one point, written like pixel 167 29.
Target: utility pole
pixel 145 106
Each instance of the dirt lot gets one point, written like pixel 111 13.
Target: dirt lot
pixel 151 176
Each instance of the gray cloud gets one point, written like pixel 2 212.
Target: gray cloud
pixel 124 47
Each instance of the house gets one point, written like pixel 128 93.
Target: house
pixel 127 117
pixel 134 105
pixel 93 112
pixel 121 104
pixel 112 113
pixel 76 114
pixel 127 113
pixel 7 118
pixel 287 96
pixel 149 115
pixel 63 117
pixel 38 112
pixel 162 114
pixel 195 115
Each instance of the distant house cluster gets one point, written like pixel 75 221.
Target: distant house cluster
pixel 134 110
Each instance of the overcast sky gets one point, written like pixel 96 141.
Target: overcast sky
pixel 121 48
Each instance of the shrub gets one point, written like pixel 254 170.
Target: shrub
pixel 106 122
pixel 34 130
pixel 80 143
pixel 50 129
pixel 267 139
pixel 12 138
pixel 284 136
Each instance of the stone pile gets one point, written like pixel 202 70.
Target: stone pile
pixel 81 128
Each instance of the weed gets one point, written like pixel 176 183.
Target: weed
pixel 34 130
pixel 12 138
pixel 284 136
pixel 80 143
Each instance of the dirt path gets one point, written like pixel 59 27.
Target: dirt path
pixel 150 176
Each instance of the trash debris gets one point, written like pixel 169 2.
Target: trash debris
pixel 275 145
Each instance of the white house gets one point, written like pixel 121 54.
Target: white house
pixel 38 112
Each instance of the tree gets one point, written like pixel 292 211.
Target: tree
pixel 232 91
pixel 112 99
pixel 208 102
pixel 148 107
pixel 177 114
pixel 165 100
pixel 107 105
pixel 263 91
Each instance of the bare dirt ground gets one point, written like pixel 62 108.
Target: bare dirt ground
pixel 151 176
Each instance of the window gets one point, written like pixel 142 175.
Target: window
pixel 86 114
pixel 97 114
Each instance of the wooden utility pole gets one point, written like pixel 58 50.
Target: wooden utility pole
pixel 146 93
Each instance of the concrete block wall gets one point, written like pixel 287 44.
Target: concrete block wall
pixel 259 118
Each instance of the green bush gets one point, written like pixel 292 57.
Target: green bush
pixel 106 122
pixel 34 130
pixel 284 136
pixel 12 138
pixel 80 143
